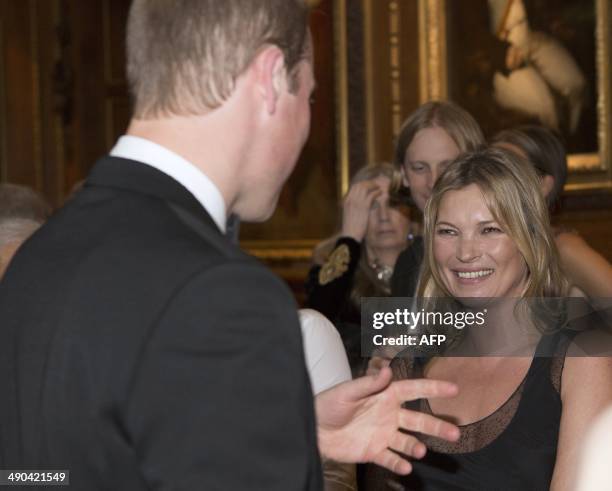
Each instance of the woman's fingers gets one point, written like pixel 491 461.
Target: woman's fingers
pixel 356 209
pixel 363 191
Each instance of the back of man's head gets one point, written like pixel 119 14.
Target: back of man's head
pixel 184 56
pixel 13 233
pixel 22 202
pixel 16 230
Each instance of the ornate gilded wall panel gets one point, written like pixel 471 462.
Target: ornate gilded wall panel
pixel 392 70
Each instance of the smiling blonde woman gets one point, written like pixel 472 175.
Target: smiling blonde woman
pixel 488 241
pixel 509 189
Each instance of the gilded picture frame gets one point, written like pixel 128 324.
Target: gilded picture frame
pixel 588 170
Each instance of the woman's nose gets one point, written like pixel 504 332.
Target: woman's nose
pixel 383 213
pixel 467 249
pixel 435 174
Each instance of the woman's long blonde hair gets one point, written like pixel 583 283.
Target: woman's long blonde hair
pixel 456 121
pixel 511 190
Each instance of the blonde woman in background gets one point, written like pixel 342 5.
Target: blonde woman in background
pixel 359 262
pixel 430 139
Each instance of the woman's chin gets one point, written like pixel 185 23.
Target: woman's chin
pixel 462 290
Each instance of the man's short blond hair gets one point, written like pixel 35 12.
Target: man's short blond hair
pixel 184 56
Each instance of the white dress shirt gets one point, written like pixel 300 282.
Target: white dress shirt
pixel 179 169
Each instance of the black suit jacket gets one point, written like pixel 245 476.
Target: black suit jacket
pixel 141 350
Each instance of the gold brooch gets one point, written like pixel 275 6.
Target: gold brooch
pixel 336 265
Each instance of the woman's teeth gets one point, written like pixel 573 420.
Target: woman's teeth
pixel 474 274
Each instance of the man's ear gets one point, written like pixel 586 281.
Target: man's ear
pixel 270 73
pixel 547 184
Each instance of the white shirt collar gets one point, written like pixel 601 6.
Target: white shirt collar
pixel 175 166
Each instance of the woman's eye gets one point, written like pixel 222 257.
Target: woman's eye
pixel 446 231
pixel 491 230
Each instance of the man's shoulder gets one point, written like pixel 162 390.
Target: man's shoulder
pixel 142 225
pixel 119 243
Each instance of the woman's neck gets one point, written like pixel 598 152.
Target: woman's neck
pixel 383 257
pixel 508 330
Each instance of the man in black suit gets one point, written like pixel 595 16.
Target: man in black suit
pixel 140 348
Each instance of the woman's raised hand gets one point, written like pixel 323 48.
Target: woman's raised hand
pixel 356 208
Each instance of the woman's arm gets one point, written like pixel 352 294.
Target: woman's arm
pixel 585 267
pixel 328 286
pixel 586 389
